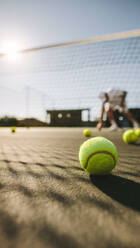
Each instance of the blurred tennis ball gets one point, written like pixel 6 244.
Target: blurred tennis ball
pixel 129 136
pixel 137 131
pixel 87 132
pixel 98 156
pixel 13 129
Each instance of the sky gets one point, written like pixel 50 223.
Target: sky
pixel 34 23
pixel 39 22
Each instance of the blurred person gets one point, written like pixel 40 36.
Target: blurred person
pixel 112 100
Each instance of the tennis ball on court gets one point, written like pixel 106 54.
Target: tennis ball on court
pixel 137 131
pixel 13 129
pixel 98 156
pixel 129 136
pixel 87 132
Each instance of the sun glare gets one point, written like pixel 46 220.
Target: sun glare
pixel 11 50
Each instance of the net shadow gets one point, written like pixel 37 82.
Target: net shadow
pixel 8 225
pixel 49 236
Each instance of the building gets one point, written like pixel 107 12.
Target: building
pixel 67 118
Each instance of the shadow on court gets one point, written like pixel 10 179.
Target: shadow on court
pixel 120 189
pixel 136 144
pixel 56 239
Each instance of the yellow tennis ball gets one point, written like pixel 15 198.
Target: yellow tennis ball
pixel 129 136
pixel 98 156
pixel 87 132
pixel 13 129
pixel 137 131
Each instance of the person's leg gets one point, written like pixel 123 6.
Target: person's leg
pixel 131 118
pixel 110 115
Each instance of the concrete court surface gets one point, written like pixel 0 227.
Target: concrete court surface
pixel 47 200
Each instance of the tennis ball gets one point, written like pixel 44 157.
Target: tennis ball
pixel 129 136
pixel 137 131
pixel 13 129
pixel 98 156
pixel 87 132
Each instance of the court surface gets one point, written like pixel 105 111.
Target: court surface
pixel 47 200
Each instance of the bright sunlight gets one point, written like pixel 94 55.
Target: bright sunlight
pixel 11 49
